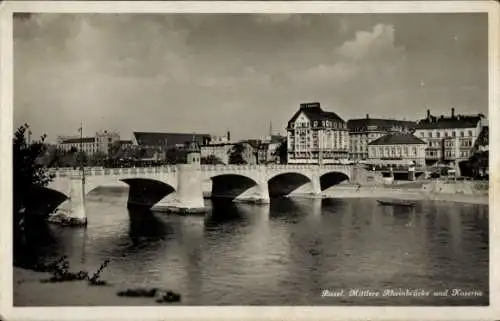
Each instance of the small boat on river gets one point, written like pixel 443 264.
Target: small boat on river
pixel 397 203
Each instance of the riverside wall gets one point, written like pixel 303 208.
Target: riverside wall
pixel 451 191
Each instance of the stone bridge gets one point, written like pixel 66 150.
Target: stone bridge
pixel 182 187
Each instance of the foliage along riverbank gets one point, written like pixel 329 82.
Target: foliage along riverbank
pixel 32 284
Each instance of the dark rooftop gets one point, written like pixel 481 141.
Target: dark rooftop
pixel 169 139
pixel 78 140
pixel 397 139
pixel 378 124
pixel 314 112
pixel 453 121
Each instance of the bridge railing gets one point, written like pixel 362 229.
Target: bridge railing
pixel 62 172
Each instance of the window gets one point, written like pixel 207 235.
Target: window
pixel 430 134
pixel 453 134
pixel 470 133
pixel 422 134
pixel 445 134
pixel 315 124
pixel 414 150
pixel 461 134
pixel 438 134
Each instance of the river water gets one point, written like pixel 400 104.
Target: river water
pixel 285 253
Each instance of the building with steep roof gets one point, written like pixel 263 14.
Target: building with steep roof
pixel 449 139
pixel 168 140
pixel 397 149
pixel 362 131
pixel 316 136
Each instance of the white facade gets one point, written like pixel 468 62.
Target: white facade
pixel 323 139
pixel 105 139
pixel 87 144
pixel 397 154
pixel 450 144
pixel 90 145
pixel 358 143
pixel 221 151
pixel 363 131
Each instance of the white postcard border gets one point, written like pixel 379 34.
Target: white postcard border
pixel 7 310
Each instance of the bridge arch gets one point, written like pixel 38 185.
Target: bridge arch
pixel 230 185
pixel 283 184
pixel 146 192
pixel 45 200
pixel 332 178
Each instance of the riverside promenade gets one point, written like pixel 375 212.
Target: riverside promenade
pixel 472 192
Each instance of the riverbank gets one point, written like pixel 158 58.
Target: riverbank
pixel 414 194
pixel 29 291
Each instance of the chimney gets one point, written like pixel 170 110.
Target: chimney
pixel 228 136
pixel 367 116
pixel 428 113
pixel 310 105
pixel 453 113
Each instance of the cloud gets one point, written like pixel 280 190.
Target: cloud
pixel 206 72
pixel 377 42
pixel 362 60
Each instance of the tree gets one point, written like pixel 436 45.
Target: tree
pixel 236 154
pixel 281 151
pixel 28 173
pixel 97 159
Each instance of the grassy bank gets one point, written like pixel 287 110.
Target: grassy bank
pixel 29 291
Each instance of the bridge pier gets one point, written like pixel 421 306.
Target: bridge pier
pixel 311 189
pixel 72 211
pixel 188 197
pixel 258 194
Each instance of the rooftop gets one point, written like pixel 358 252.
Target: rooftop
pixel 397 139
pixel 453 121
pixel 78 140
pixel 169 139
pixel 314 112
pixel 380 124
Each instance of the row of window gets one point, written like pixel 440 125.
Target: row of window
pixel 453 134
pixel 393 151
pixel 324 123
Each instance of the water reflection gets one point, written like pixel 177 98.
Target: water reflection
pixel 284 252
pixel 146 225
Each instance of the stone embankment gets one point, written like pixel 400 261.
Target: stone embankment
pixel 475 192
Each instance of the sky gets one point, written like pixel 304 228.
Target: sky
pixel 209 73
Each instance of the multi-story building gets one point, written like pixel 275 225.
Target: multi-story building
pixel 397 149
pixel 105 139
pixel 362 131
pixel 451 139
pixel 219 151
pixel 217 148
pixel 315 136
pixel 267 150
pixel 101 142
